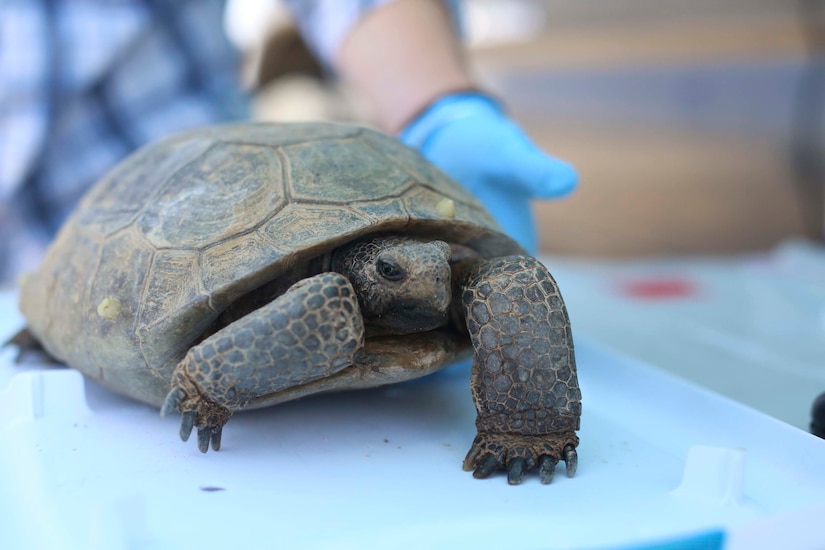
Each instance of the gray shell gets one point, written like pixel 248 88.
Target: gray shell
pixel 186 226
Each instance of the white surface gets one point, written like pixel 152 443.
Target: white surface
pixel 80 467
pixel 714 475
pixel 753 327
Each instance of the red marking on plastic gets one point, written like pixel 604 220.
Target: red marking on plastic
pixel 659 288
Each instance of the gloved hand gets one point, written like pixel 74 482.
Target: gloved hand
pixel 468 136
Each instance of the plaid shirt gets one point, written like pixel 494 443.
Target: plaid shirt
pixel 85 82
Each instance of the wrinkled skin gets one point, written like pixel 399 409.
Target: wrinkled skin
pixel 403 285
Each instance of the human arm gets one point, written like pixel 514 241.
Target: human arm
pixel 406 59
pixel 401 57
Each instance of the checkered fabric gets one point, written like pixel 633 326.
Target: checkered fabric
pixel 82 84
pixel 85 82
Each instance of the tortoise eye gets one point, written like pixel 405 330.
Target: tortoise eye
pixel 389 270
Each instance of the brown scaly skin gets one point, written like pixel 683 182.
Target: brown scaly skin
pixel 310 332
pixel 524 378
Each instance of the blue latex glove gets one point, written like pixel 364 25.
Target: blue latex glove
pixel 468 136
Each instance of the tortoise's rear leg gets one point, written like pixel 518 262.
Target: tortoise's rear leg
pixel 310 332
pixel 27 343
pixel 524 380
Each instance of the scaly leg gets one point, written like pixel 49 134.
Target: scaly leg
pixel 524 380
pixel 310 332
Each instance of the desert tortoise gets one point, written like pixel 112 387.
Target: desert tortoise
pixel 241 266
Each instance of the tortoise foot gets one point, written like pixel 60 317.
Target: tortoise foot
pixel 197 412
pixel 517 454
pixel 27 344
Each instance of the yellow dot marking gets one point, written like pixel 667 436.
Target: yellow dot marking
pixel 445 208
pixel 109 308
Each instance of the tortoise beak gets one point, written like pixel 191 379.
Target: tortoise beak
pixel 408 316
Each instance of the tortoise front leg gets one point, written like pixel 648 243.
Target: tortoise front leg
pixel 310 332
pixel 524 380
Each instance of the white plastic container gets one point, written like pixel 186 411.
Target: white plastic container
pixel 662 464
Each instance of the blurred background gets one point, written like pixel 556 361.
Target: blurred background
pixel 696 125
pixel 694 242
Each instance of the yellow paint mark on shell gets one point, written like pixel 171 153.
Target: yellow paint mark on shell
pixel 446 208
pixel 109 308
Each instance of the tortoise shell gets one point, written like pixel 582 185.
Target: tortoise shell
pixel 185 227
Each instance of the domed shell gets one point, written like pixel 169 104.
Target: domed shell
pixel 184 227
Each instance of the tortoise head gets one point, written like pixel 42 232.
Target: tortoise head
pixel 403 285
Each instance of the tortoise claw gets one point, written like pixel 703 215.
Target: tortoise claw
pixel 547 468
pixel 518 454
pixel 199 413
pixel 470 459
pixel 172 402
pixel 209 435
pixel 204 435
pixel 486 467
pixel 516 470
pixel 187 422
pixel 216 438
pixel 571 459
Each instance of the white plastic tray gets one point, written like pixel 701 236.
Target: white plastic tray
pixel 748 326
pixel 81 467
